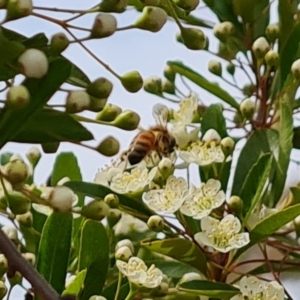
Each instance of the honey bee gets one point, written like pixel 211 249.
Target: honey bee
pixel 156 138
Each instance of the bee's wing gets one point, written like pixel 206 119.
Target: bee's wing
pixel 160 114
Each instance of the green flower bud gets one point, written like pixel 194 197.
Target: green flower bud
pixel 16 9
pixel 33 63
pixel 104 25
pixel 235 204
pixel 260 47
pixel 109 113
pixel 117 6
pixel 169 73
pixel 127 120
pixel 238 119
pixel 188 5
pixel 156 223
pixel 215 67
pixel 59 42
pixel 272 32
pixel 272 59
pixel 193 38
pixel 125 242
pixel 112 200
pixel 100 88
pixel 296 69
pixel 227 146
pixel 25 220
pixel 3 265
pixel 3 203
pixel 3 290
pixel 123 253
pixel 113 217
pixel 109 146
pixel 77 101
pixel 230 68
pixel 96 210
pixel 132 81
pixel 152 19
pixel 30 257
pixel 18 203
pixel 97 104
pixel 249 89
pixel 16 171
pixel 153 85
pixel 166 168
pixel 151 2
pixel 168 87
pixel 247 108
pixel 16 279
pixel 224 30
pixel 18 97
pixel 33 155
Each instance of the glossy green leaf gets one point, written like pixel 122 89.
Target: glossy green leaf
pixel 217 290
pixel 78 77
pixel 54 250
pixel 31 238
pixel 99 191
pixel 37 41
pixel 296 194
pixel 50 147
pixel 76 285
pixel 94 257
pixel 41 90
pixel 180 249
pixel 201 81
pixel 254 183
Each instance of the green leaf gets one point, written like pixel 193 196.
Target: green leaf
pixel 54 250
pixel 217 290
pixel 180 249
pixel 109 292
pixel 93 256
pixel 254 184
pixel 48 126
pixel 5 157
pixel 41 90
pixel 31 237
pixel 78 77
pixel 201 81
pixel 76 285
pixel 99 191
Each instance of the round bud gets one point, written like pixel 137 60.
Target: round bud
pixel 125 242
pixel 112 200
pixel 62 198
pixel 166 167
pixel 123 253
pixel 97 298
pixel 30 257
pixel 100 88
pixel 193 38
pixel 113 217
pixel 249 89
pixel 97 104
pixel 169 73
pixel 260 47
pixel 127 120
pixel 33 63
pixel 117 6
pixel 211 135
pixel 16 279
pixel 247 108
pixel 3 290
pixel 11 232
pixel 215 67
pixel 109 113
pixel 77 101
pixel 132 81
pixel 104 25
pixel 59 42
pixel 25 220
pixel 109 146
pixel 16 171
pixel 227 146
pixel 168 87
pixel 16 9
pixel 18 97
pixel 18 203
pixel 272 59
pixel 188 5
pixel 235 204
pixel 272 32
pixel 153 85
pixel 96 210
pixel 191 276
pixel 156 223
pixel 33 154
pixel 152 19
pixel 224 30
pixel 296 69
pixel 230 68
pixel 3 265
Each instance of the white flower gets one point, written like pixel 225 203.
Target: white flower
pixel 128 224
pixel 137 272
pixel 253 289
pixel 183 134
pixel 169 199
pixel 211 135
pixel 203 200
pixel 203 154
pixel 222 235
